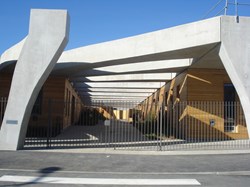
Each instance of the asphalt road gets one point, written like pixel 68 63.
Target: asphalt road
pixel 207 170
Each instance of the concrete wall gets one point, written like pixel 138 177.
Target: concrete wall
pixel 235 55
pixel 36 61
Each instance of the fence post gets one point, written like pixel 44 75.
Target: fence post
pixel 49 124
pixel 161 115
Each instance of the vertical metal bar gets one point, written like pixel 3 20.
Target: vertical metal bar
pixel 193 121
pixel 49 124
pixel 161 110
pixel 226 7
pixel 240 138
pixel 216 127
pixel 218 124
pixel 190 124
pixel 207 130
pixel 236 7
pixel 173 126
pixel 171 120
pixel 222 106
pixel 180 124
pixel 142 126
pixel 208 127
pixel 163 125
pixel 186 123
pixel 225 120
pixel 167 136
pixel 148 124
pixel 216 130
pixel 105 126
pixel 183 124
pixel 1 109
pixel 212 126
pixel 157 126
pixel 197 126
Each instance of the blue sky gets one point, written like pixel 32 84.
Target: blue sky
pixel 95 21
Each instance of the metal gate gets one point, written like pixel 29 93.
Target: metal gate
pixel 3 103
pixel 128 125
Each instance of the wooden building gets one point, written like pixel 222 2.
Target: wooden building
pixel 200 104
pixel 57 104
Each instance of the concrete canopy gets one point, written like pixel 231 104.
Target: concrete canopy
pixel 168 51
pixel 204 44
pixel 149 77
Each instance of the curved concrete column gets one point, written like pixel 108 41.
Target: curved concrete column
pixel 47 38
pixel 235 55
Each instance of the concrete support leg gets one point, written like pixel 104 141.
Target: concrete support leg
pixel 235 55
pixel 47 38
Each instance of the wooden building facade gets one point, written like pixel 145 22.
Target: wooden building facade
pixel 199 104
pixel 57 104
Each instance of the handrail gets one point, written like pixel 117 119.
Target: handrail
pixel 225 8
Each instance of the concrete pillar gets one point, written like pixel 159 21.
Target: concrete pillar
pixel 47 38
pixel 235 55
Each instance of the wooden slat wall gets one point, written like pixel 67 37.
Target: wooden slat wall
pixel 68 99
pixel 53 87
pixel 52 104
pixel 206 84
pixel 55 103
pixel 201 85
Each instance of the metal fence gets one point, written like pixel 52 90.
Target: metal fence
pixel 127 125
pixel 3 103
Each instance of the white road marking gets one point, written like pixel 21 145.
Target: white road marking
pixel 133 173
pixel 97 181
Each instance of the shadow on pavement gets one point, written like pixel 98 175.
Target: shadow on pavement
pixel 44 172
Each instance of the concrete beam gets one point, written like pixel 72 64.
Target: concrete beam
pixel 116 90
pixel 184 41
pixel 161 77
pixel 12 54
pixel 47 38
pixel 115 103
pixel 114 94
pixel 150 85
pixel 113 99
pixel 235 55
pixel 166 66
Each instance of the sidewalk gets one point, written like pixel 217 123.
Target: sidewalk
pixel 145 152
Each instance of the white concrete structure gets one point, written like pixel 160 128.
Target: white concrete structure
pixel 149 77
pixel 126 66
pixel 235 56
pixel 47 38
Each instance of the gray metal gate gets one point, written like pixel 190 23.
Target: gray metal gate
pixel 128 125
pixel 3 103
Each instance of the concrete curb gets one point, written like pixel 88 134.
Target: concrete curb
pixel 144 152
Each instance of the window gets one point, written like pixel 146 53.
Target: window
pixel 229 108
